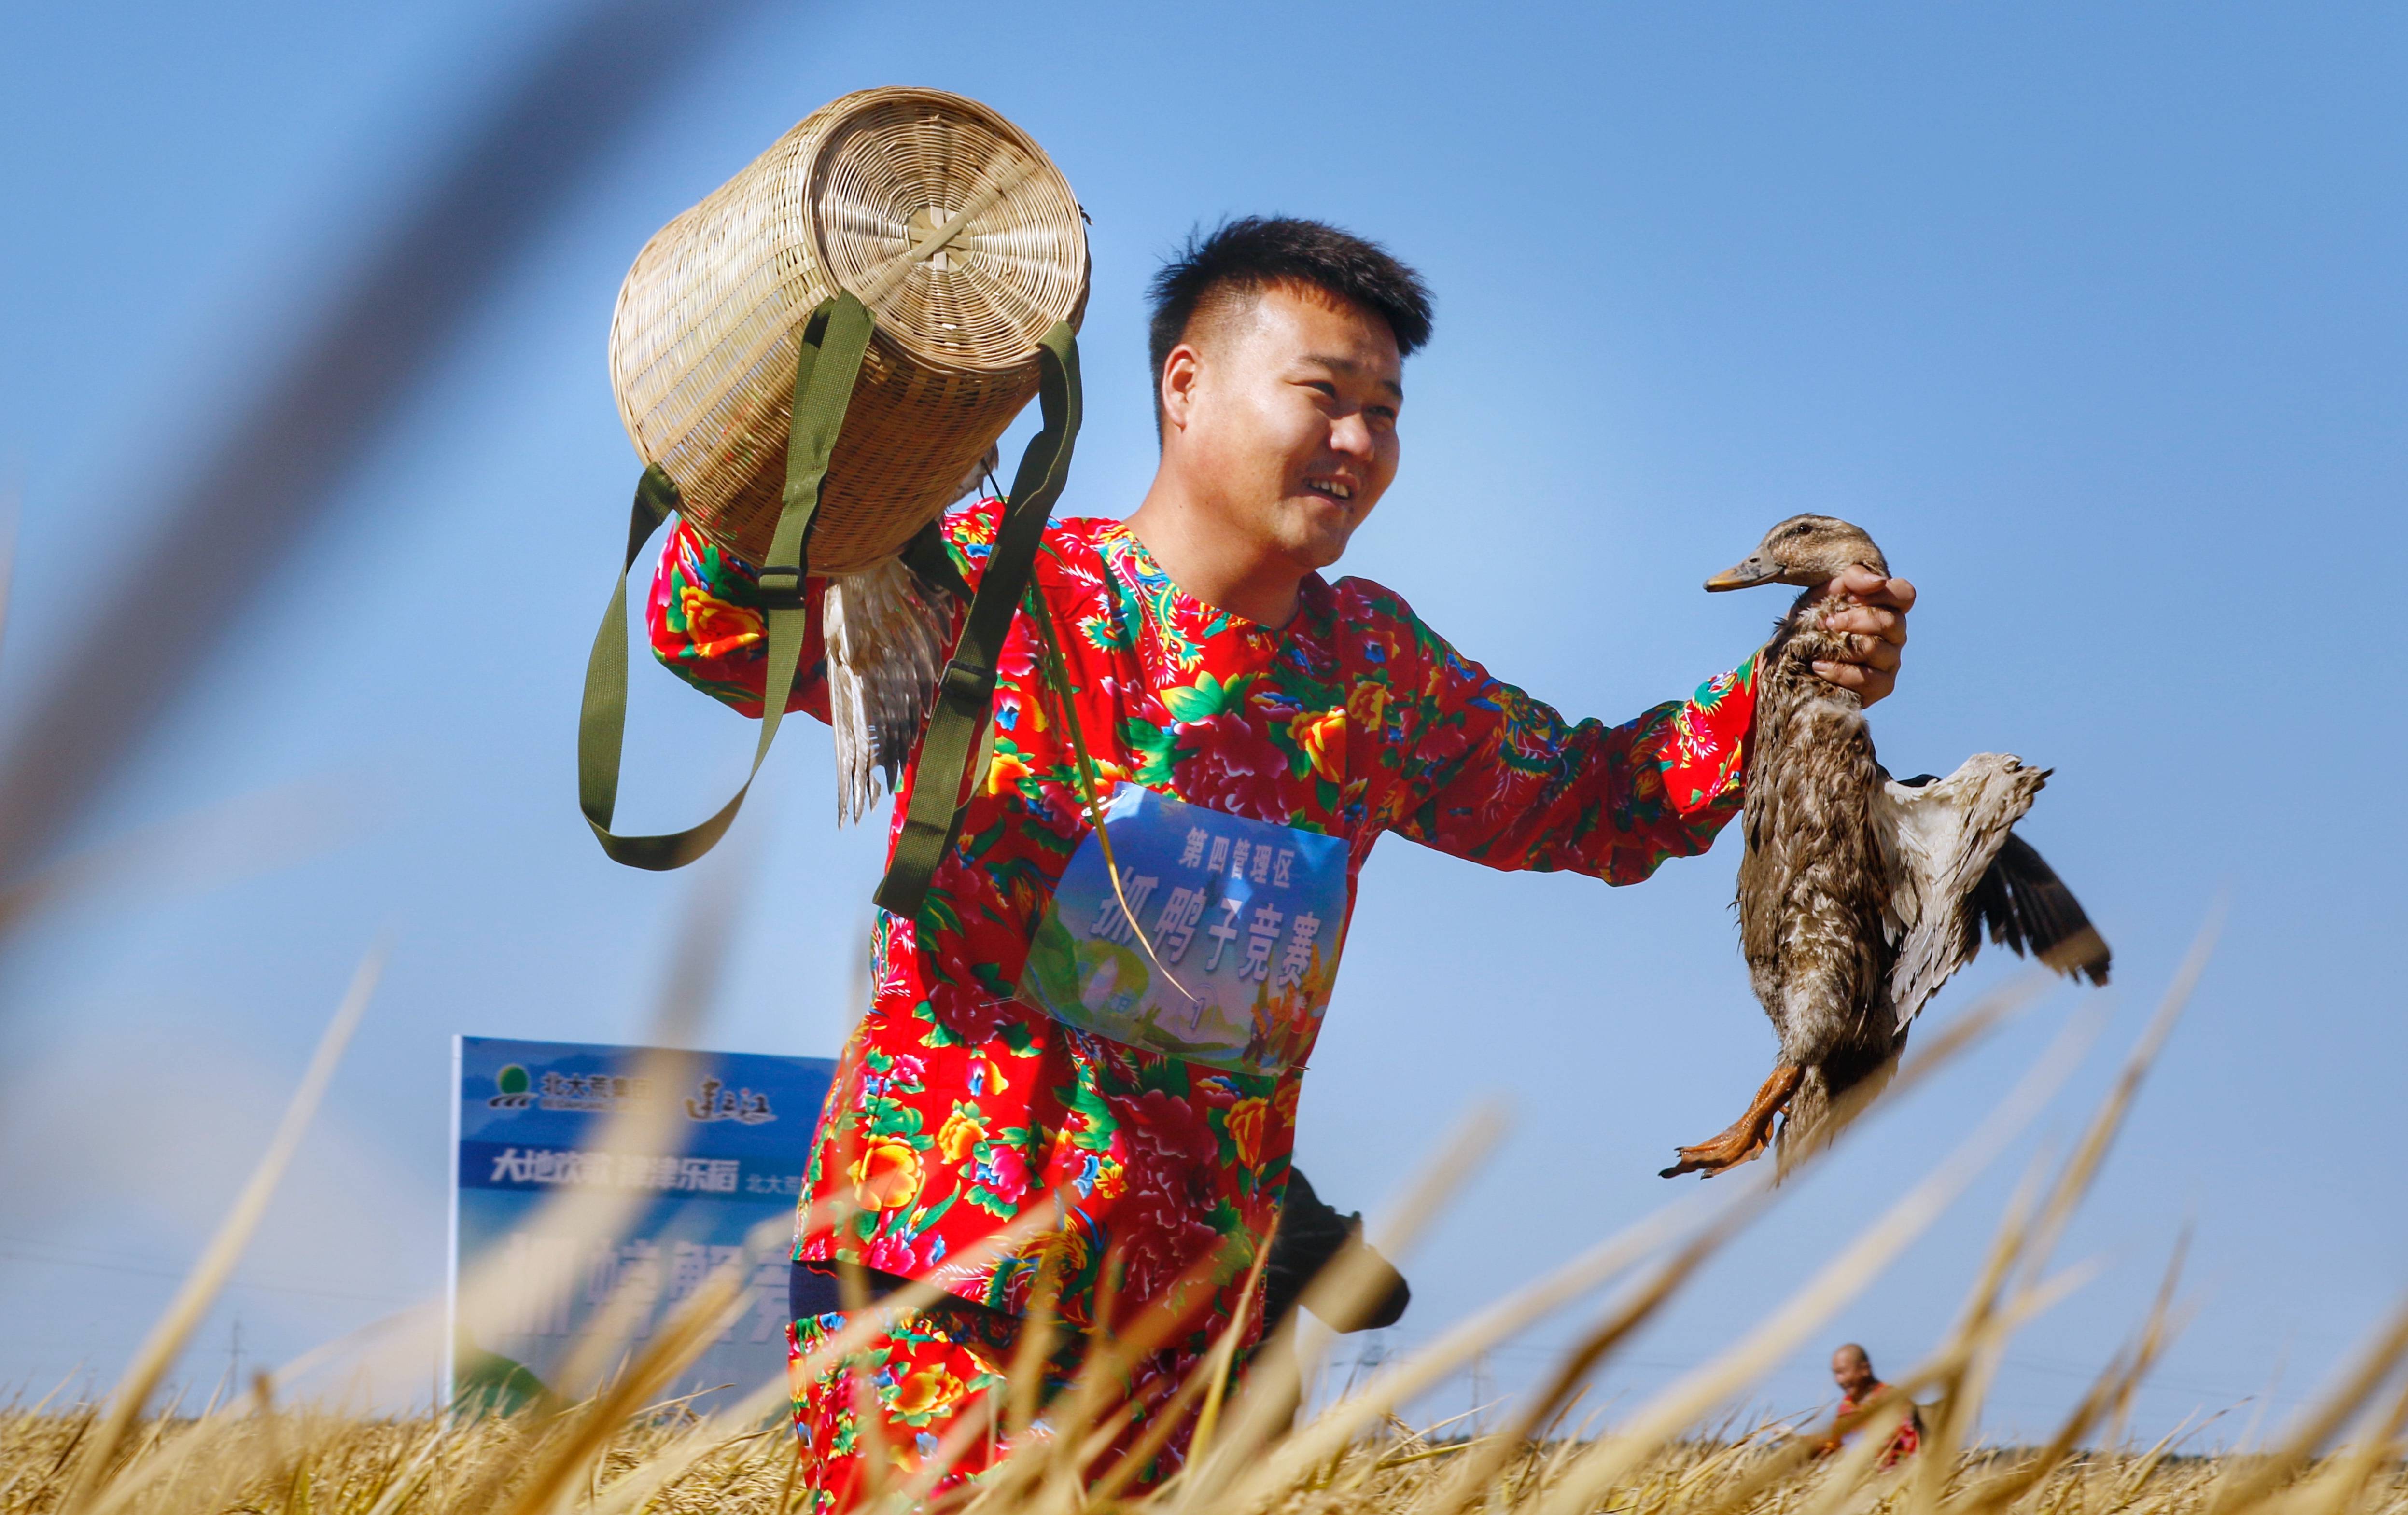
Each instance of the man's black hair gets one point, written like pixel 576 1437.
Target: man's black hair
pixel 1258 252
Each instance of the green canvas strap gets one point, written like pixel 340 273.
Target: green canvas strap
pixel 826 367
pixel 966 693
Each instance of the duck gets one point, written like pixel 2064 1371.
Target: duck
pixel 888 629
pixel 1861 895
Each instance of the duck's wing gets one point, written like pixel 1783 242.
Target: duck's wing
pixel 888 629
pixel 2026 907
pixel 1940 839
pixel 886 633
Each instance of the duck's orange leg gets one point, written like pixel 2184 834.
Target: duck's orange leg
pixel 1745 1137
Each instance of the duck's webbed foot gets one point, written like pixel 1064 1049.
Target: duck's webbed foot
pixel 1745 1137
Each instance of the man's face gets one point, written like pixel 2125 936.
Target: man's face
pixel 1284 412
pixel 1851 1372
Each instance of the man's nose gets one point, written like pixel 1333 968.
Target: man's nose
pixel 1351 435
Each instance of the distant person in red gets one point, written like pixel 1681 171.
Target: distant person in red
pixel 1853 1371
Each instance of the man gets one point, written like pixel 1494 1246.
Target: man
pixel 1853 1371
pixel 1107 1046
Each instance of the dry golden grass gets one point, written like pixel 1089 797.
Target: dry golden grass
pixel 625 1449
pixel 301 1463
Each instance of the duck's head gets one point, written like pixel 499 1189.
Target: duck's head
pixel 1803 551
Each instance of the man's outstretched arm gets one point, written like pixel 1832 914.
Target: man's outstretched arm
pixel 703 616
pixel 1499 778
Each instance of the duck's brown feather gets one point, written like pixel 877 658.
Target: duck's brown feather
pixel 1810 887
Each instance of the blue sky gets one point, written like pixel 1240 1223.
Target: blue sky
pixel 2092 316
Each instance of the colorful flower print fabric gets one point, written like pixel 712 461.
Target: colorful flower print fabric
pixel 924 1406
pixel 956 1106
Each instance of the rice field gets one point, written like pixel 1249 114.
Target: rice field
pixel 630 1446
pixel 296 1460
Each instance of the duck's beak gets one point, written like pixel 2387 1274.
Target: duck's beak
pixel 1759 569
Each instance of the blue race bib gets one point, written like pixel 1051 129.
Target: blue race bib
pixel 1226 947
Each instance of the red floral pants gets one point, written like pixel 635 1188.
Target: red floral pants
pixel 921 1408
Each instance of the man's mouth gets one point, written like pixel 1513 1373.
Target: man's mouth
pixel 1335 488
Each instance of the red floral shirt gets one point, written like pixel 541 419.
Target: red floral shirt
pixel 956 1105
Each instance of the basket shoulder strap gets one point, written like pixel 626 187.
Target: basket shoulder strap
pixel 966 693
pixel 826 367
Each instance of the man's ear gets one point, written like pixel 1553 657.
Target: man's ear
pixel 1181 372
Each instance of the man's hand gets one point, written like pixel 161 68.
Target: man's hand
pixel 1875 623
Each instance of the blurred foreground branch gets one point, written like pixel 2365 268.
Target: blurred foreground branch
pixel 252 492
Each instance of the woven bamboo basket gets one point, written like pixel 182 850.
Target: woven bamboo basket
pixel 704 339
pixel 966 246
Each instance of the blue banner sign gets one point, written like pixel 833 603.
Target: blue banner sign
pixel 532 1121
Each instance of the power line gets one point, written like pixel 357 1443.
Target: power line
pixel 277 1287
